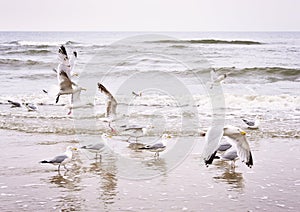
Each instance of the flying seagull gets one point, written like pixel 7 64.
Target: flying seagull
pixel 111 103
pixel 62 159
pixel 237 138
pixel 216 79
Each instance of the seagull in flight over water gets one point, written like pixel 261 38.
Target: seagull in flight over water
pixel 66 85
pixel 215 78
pixel 111 102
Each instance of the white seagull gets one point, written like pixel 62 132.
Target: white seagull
pixel 229 155
pixel 215 78
pixel 62 159
pixel 252 124
pixel 137 131
pixel 237 138
pixel 97 147
pixel 111 103
pixel 66 64
pixel 30 107
pixel 64 73
pixel 158 146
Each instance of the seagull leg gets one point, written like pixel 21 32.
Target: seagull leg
pixel 58 168
pixel 66 168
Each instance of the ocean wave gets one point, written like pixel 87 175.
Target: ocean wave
pixel 39 44
pixel 22 63
pixel 30 52
pixel 210 41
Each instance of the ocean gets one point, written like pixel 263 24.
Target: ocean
pixel 172 71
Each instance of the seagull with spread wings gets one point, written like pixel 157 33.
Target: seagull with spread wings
pixel 66 85
pixel 111 102
pixel 236 137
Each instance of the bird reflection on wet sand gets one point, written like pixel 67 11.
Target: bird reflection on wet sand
pixel 234 179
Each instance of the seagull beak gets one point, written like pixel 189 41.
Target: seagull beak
pixel 75 149
pixel 110 136
pixel 84 89
pixel 243 133
pixel 169 136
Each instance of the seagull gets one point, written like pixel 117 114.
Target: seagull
pixel 229 155
pixel 215 78
pixel 14 104
pixel 97 147
pixel 158 146
pixel 237 138
pixel 66 87
pixel 111 103
pixel 252 124
pixel 62 159
pixel 223 146
pixel 137 131
pixel 64 71
pixel 65 63
pixel 31 107
pixel 136 94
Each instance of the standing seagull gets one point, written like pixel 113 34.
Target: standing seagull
pixel 62 159
pixel 31 107
pixel 158 146
pixel 111 103
pixel 237 137
pixel 215 78
pixel 252 124
pixel 137 132
pixel 229 155
pixel 97 147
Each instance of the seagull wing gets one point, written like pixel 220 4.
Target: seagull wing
pixel 243 149
pixel 97 146
pixel 58 159
pixel 65 82
pixel 73 61
pixel 62 54
pixel 212 139
pixel 111 104
pixel 249 123
pixel 213 75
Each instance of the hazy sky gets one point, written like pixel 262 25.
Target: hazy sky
pixel 150 15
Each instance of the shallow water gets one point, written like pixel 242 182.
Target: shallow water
pixel 25 185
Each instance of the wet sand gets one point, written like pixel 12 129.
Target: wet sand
pixel 273 184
